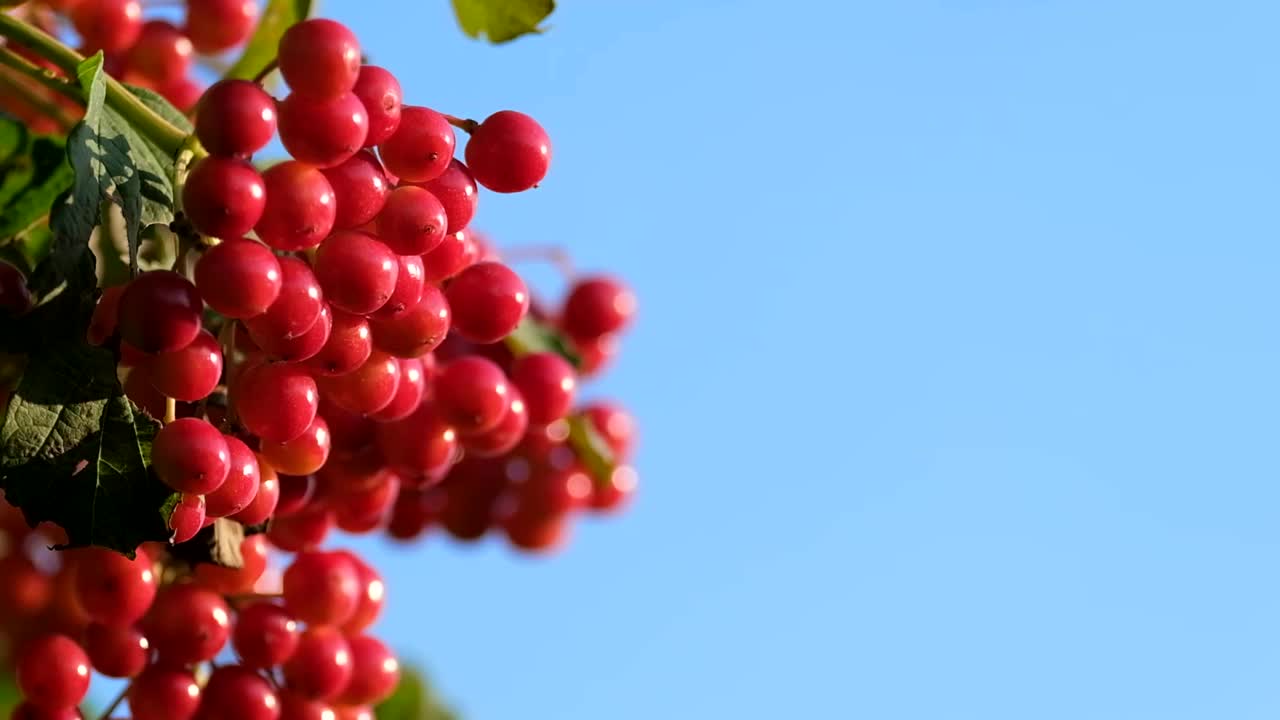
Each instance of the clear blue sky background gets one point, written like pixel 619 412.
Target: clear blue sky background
pixel 957 361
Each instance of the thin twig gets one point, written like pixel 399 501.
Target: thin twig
pixel 462 123
pixel 46 78
pixel 106 714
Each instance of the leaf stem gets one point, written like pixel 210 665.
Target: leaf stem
pixel 264 72
pixel 164 134
pixel 106 714
pixel 462 123
pixel 46 78
pixel 40 103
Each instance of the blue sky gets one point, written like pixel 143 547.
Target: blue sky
pixel 956 362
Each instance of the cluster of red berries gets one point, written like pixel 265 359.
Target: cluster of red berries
pixel 337 353
pixel 155 54
pixel 299 641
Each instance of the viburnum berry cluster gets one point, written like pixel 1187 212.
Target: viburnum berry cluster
pixel 333 349
pixel 157 54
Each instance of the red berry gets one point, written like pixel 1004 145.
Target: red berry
pixel 613 424
pixel 380 92
pixel 597 306
pixel 368 388
pixel 349 345
pixel 52 672
pixel 322 588
pixel 187 624
pixel 118 651
pixel 456 191
pixel 264 502
pixel 296 492
pixel 300 207
pixel 241 485
pixel 321 668
pixel 191 456
pixel 164 693
pixel 548 383
pixel 297 305
pixel 418 330
pixel 266 635
pixel 503 438
pixel 536 532
pixel 235 581
pixel 189 374
pixel 409 287
pixel 412 221
pixel 319 58
pixel 299 348
pixel 235 117
pixel 472 394
pixel 422 444
pixel 323 132
pixel 509 152
pixel 409 392
pixel 488 301
pixel 277 402
pixel 108 25
pixel 236 692
pixel 421 147
pixel 239 278
pixel 160 56
pixel 456 252
pixel 304 530
pixel 372 596
pixel 357 272
pixel 159 311
pixel 374 672
pixel 183 94
pixel 612 495
pixel 360 187
pixel 217 25
pixel 366 509
pixel 304 454
pixel 187 518
pixel 111 588
pixel 295 706
pixel 223 196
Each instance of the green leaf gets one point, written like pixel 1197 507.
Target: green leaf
pixel 532 336
pixel 33 171
pixel 75 451
pixel 413 699
pixel 502 20
pixel 261 49
pixel 115 163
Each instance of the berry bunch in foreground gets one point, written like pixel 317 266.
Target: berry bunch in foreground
pixel 338 351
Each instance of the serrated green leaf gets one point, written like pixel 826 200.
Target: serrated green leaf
pixel 502 20
pixel 163 107
pixel 75 451
pixel 261 49
pixel 413 699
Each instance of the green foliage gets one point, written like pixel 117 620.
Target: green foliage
pixel 414 699
pixel 75 451
pixel 33 172
pixel 535 336
pixel 502 20
pixel 260 51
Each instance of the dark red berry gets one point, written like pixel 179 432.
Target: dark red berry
pixel 488 301
pixel 360 188
pixel 597 306
pixel 297 306
pixel 324 133
pixel 223 196
pixel 456 190
pixel 160 311
pixel 472 394
pixel 160 56
pixel 357 272
pixel 421 147
pixel 416 331
pixel 319 58
pixel 191 456
pixel 412 221
pixel 380 92
pixel 188 374
pixel 217 25
pixel 239 278
pixel 276 401
pixel 15 296
pixel 509 152
pixel 235 117
pixel 548 383
pixel 108 25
